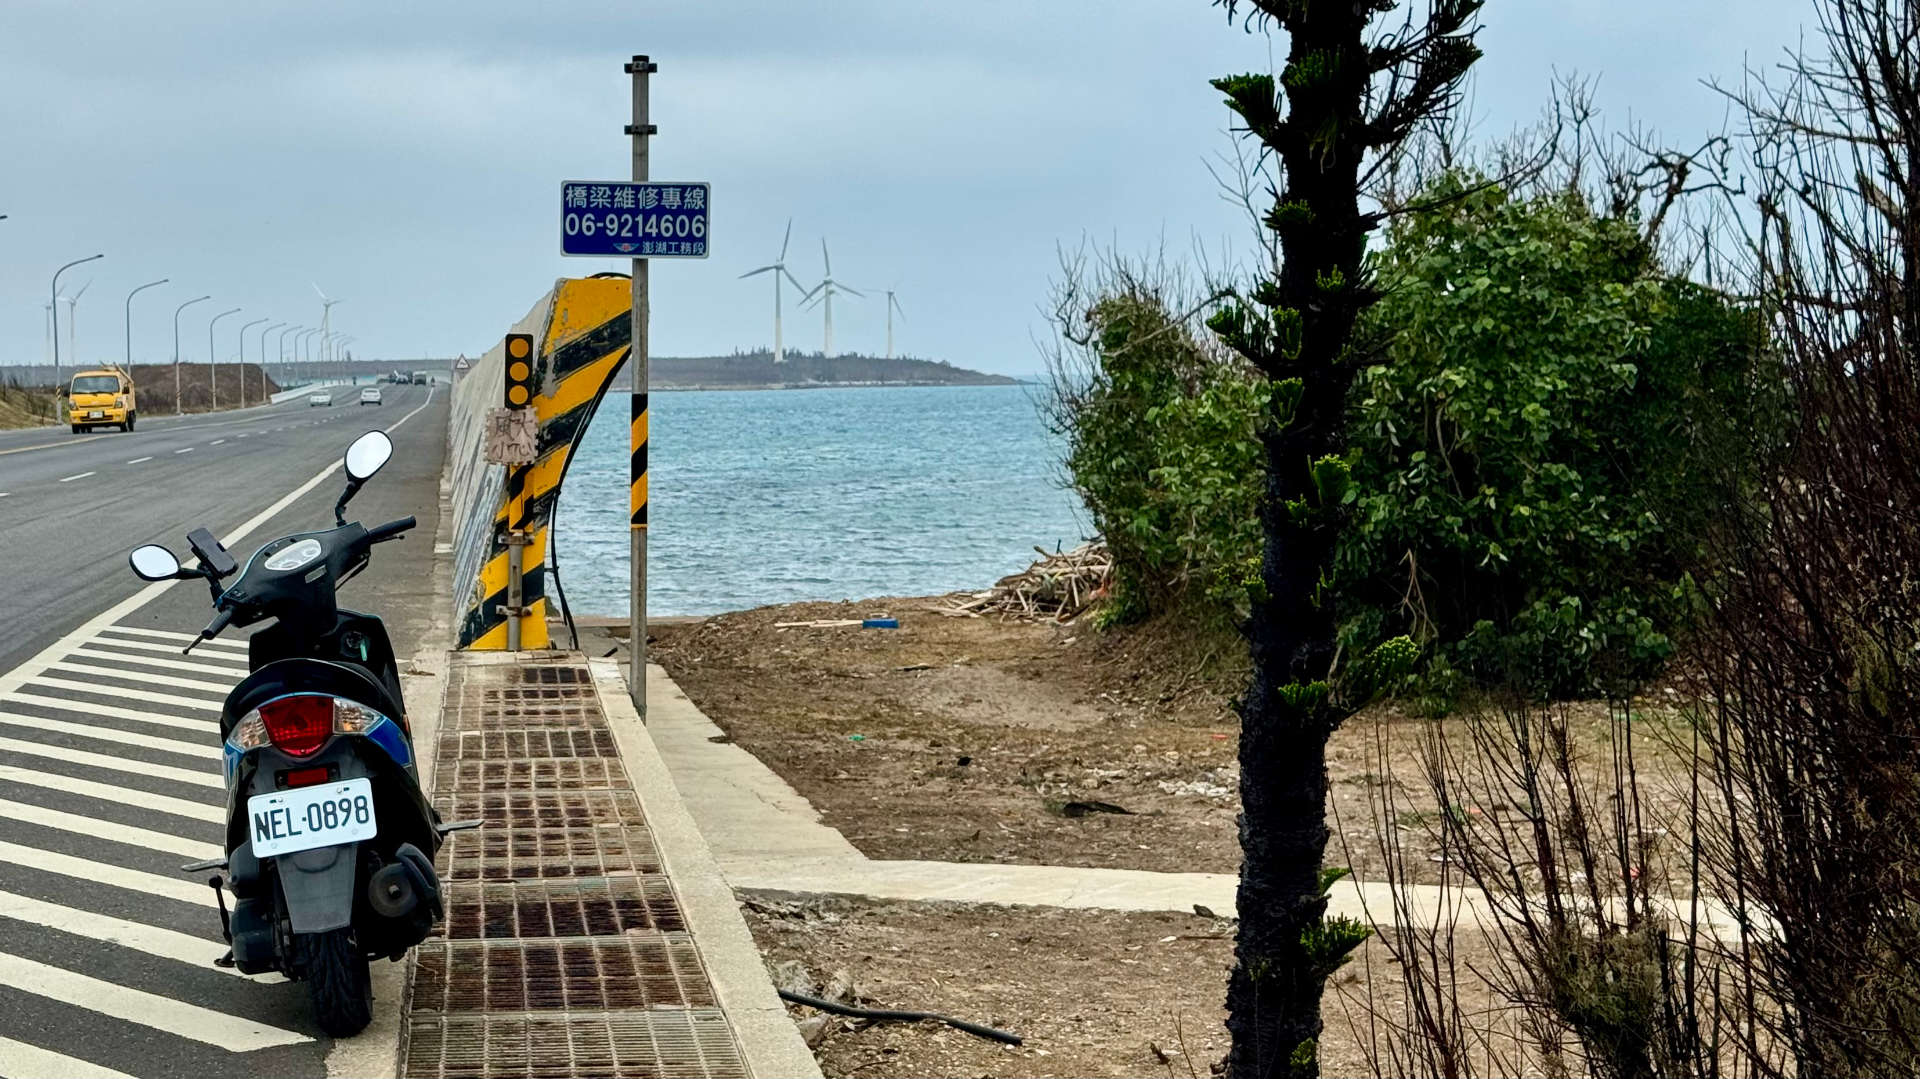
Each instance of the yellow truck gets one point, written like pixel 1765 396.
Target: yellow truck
pixel 101 398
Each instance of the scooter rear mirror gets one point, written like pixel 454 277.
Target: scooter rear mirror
pixel 367 455
pixel 153 562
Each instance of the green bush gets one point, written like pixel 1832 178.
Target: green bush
pixel 1543 433
pixel 1542 443
pixel 1163 450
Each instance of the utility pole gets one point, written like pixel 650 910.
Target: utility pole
pixel 54 294
pixel 263 367
pixel 176 349
pixel 129 320
pixel 243 356
pixel 213 373
pixel 639 68
pixel 280 349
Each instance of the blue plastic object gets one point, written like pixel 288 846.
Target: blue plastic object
pixel 881 623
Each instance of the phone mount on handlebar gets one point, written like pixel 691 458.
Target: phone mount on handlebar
pixel 214 559
pixel 211 554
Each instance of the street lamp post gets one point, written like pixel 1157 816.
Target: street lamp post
pixel 280 346
pixel 176 349
pixel 54 294
pixel 263 366
pixel 129 319
pixel 213 373
pixel 305 342
pixel 243 358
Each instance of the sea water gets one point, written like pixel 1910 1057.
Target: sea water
pixel 775 496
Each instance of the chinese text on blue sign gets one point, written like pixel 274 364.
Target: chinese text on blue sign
pixel 615 219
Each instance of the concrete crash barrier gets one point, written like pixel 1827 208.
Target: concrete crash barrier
pixel 581 334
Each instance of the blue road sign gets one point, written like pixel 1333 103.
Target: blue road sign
pixel 617 219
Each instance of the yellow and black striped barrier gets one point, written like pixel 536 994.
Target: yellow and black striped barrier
pixel 637 470
pixel 581 335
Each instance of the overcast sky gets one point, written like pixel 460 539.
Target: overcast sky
pixel 407 157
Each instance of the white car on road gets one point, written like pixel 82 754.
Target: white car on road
pixel 370 396
pixel 314 400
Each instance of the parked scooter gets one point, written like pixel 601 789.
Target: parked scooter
pixel 330 841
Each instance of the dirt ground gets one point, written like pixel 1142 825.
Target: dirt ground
pixel 991 740
pixel 1091 993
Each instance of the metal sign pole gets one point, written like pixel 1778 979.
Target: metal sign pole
pixel 639 68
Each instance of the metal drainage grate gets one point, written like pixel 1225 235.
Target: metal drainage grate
pixel 551 676
pixel 695 1044
pixel 548 774
pixel 601 907
pixel 501 854
pixel 498 717
pixel 543 809
pixel 520 745
pixel 634 970
pixel 535 694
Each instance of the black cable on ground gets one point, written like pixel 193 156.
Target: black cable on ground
pixel 883 1014
pixel 553 570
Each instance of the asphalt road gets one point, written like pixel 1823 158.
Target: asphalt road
pixel 109 751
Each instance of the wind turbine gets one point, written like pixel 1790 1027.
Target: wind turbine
pixel 778 268
pixel 72 302
pixel 892 306
pixel 826 289
pixel 326 315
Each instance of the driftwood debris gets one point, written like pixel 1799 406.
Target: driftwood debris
pixel 1059 587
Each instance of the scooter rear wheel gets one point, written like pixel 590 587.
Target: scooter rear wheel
pixel 339 985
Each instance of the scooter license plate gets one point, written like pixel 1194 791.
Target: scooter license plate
pixel 327 815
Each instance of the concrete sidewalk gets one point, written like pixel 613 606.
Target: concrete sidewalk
pixel 766 837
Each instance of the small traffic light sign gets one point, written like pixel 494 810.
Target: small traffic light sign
pixel 519 370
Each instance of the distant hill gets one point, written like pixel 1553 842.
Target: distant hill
pixel 756 370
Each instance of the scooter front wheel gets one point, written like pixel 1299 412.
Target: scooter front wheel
pixel 339 984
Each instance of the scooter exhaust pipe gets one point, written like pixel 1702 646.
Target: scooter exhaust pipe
pixel 391 891
pixel 395 890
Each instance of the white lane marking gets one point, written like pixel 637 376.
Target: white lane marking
pixel 216 442
pixel 91 708
pixel 147 695
pixel 139 460
pixel 188 449
pixel 170 635
pixel 184 889
pixel 23 1061
pixel 177 1017
pixel 110 734
pixel 230 671
pixel 31 668
pixel 4 494
pixel 117 793
pixel 79 476
pixel 204 655
pixel 218 689
pixel 151 939
pixel 208 777
pixel 191 849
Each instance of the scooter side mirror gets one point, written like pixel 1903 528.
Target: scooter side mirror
pixel 368 454
pixel 152 562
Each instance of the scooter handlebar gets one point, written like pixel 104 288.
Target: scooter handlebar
pixel 390 530
pixel 221 621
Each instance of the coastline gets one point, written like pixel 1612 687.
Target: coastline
pixel 706 387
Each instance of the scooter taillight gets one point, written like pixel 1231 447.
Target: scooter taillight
pixel 298 725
